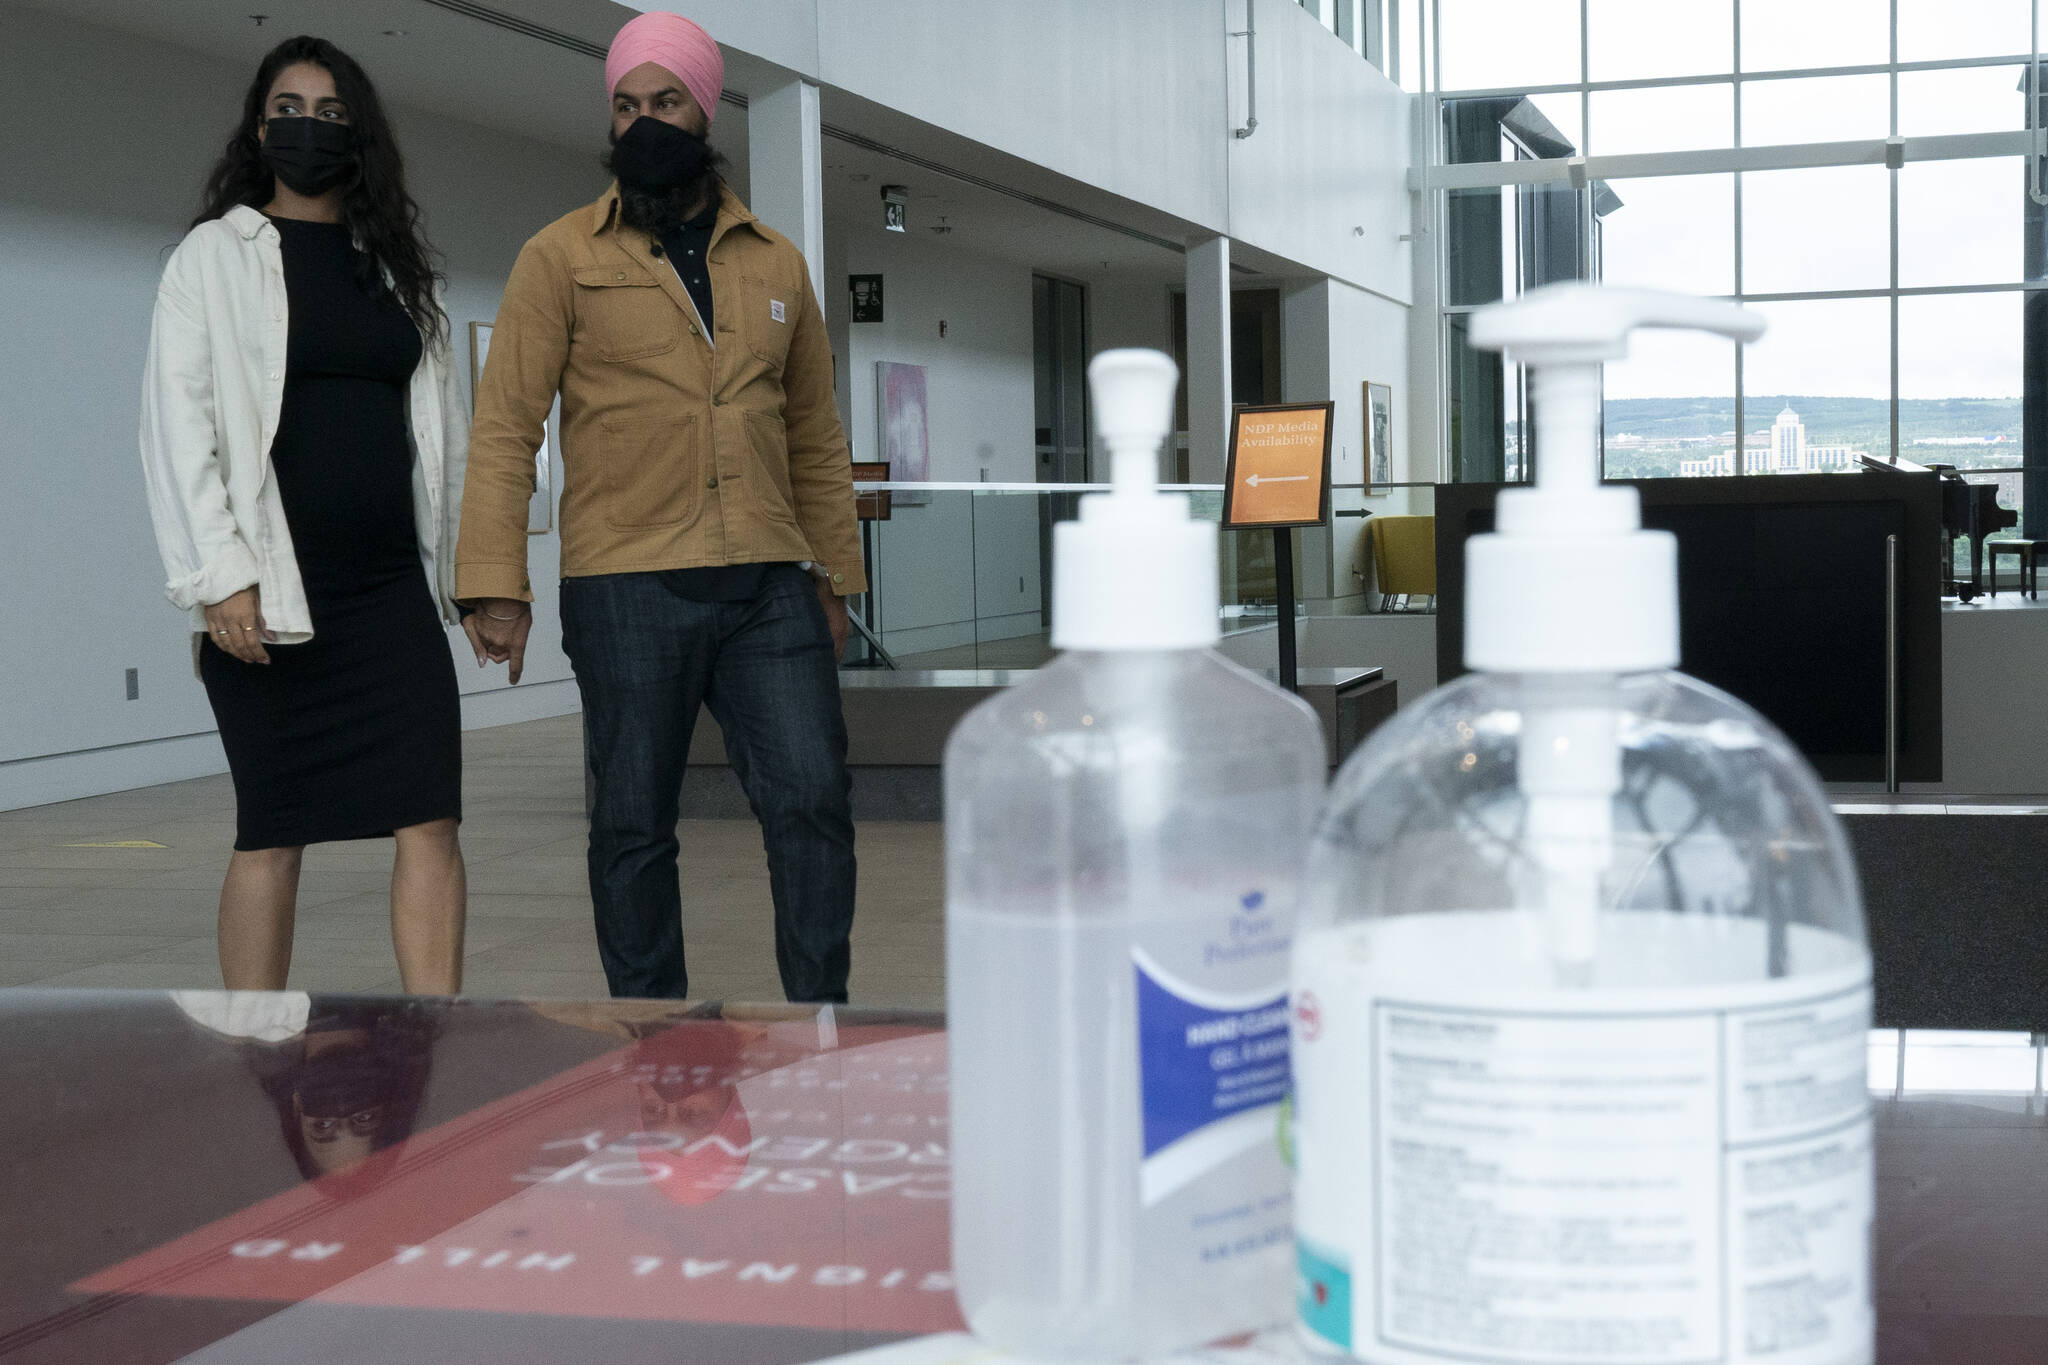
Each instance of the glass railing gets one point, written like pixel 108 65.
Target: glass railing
pixel 961 573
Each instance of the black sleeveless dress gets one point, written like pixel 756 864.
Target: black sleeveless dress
pixel 357 732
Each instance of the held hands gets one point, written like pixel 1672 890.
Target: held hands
pixel 236 625
pixel 835 618
pixel 497 631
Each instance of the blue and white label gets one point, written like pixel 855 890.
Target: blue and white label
pixel 1212 1070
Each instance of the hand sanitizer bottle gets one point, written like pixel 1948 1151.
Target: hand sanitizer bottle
pixel 1581 992
pixel 1125 833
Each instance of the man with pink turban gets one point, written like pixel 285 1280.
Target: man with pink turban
pixel 707 517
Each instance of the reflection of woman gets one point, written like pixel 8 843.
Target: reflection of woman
pixel 350 1090
pixel 303 438
pixel 346 1077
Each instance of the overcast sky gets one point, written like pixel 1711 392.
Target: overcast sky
pixel 1959 221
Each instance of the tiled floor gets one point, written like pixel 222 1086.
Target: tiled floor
pixel 74 914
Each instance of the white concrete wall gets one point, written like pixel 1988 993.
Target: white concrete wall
pixel 93 194
pixel 1322 180
pixel 1137 98
pixel 977 376
pixel 1121 94
pixel 959 557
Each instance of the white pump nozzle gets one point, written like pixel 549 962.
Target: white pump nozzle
pixel 1133 393
pixel 1570 588
pixel 1136 571
pixel 1570 582
pixel 1563 324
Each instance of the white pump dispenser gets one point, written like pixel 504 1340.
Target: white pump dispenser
pixel 1125 833
pixel 1136 571
pixel 1580 989
pixel 1571 584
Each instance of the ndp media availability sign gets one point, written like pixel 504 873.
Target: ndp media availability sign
pixel 1279 471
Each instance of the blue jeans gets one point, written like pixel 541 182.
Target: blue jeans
pixel 645 658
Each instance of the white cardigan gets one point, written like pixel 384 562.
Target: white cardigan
pixel 211 393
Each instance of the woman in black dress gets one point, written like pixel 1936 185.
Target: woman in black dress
pixel 304 438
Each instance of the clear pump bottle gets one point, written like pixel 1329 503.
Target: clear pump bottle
pixel 1581 991
pixel 1125 833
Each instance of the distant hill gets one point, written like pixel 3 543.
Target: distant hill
pixel 1673 430
pixel 1829 421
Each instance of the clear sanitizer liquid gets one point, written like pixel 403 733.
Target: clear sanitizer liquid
pixel 1125 836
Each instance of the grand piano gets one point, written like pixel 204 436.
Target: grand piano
pixel 1967 509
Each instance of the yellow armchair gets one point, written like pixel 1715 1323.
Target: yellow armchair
pixel 1403 552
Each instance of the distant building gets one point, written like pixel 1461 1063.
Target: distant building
pixel 1785 452
pixel 1712 467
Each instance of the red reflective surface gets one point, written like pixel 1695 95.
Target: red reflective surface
pixel 277 1179
pixel 610 1181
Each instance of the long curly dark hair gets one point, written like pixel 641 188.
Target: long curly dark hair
pixel 374 203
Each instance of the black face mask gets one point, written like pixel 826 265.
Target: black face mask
pixel 309 155
pixel 653 156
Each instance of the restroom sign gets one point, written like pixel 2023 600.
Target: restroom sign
pixel 1279 468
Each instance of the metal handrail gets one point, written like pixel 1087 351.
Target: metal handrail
pixel 962 486
pixel 904 486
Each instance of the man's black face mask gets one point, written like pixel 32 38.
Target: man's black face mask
pixel 654 157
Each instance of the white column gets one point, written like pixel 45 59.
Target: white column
pixel 1208 376
pixel 1307 376
pixel 786 165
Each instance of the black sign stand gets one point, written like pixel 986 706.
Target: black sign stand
pixel 1283 572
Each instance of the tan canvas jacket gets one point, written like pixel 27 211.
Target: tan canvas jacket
pixel 678 450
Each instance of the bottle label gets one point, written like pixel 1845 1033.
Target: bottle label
pixel 1572 1181
pixel 1323 1292
pixel 1212 1071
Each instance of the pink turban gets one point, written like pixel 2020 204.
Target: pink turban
pixel 675 45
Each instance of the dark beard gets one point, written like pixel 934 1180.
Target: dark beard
pixel 657 212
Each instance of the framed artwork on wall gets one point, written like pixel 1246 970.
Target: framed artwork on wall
pixel 540 510
pixel 1379 438
pixel 904 437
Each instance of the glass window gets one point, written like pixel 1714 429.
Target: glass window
pixel 1960 382
pixel 1962 350
pixel 1809 230
pixel 1817 109
pixel 1499 242
pixel 1797 35
pixel 1494 43
pixel 1960 221
pixel 1938 30
pixel 1826 363
pixel 1663 119
pixel 1628 40
pixel 1485 400
pixel 1671 232
pixel 1670 407
pixel 1969 99
pixel 1479 246
pixel 1412 20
